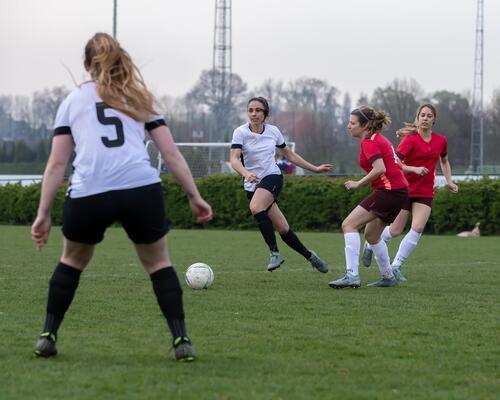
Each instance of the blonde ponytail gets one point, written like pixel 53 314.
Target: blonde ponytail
pixel 119 81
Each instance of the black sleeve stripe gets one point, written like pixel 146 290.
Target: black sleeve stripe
pixel 236 146
pixel 62 130
pixel 155 124
pixel 374 158
pixel 281 146
pixel 401 156
pixel 444 154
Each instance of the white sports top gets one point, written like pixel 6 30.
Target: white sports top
pixel 258 151
pixel 109 145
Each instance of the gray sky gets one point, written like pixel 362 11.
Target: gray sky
pixel 356 45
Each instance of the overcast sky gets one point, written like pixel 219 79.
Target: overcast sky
pixel 356 45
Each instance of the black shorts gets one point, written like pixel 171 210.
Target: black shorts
pixel 422 200
pixel 140 211
pixel 272 183
pixel 385 204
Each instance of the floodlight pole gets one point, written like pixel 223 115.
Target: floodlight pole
pixel 477 129
pixel 114 17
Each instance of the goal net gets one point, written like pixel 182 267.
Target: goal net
pixel 203 158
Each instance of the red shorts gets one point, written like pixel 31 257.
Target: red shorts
pixel 422 200
pixel 385 204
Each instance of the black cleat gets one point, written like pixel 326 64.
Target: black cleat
pixel 45 345
pixel 184 349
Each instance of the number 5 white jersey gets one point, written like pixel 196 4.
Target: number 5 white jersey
pixel 109 145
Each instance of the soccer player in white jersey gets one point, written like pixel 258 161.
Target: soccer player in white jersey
pixel 253 156
pixel 103 122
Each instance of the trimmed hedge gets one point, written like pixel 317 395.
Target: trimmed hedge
pixel 311 203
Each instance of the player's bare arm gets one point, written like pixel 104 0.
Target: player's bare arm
pixel 239 168
pixel 295 158
pixel 53 177
pixel 180 170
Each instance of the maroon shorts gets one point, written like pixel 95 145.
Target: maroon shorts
pixel 385 204
pixel 422 200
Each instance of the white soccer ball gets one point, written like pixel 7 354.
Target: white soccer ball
pixel 199 276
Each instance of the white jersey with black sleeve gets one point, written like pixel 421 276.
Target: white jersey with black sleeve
pixel 258 151
pixel 109 145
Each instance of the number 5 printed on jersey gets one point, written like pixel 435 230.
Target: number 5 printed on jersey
pixel 120 137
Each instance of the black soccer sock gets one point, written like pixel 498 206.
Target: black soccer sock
pixel 62 287
pixel 291 239
pixel 266 229
pixel 168 292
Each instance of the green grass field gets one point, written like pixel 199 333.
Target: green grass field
pixel 259 335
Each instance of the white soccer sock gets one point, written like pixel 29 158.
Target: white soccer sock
pixel 352 245
pixel 386 236
pixel 406 247
pixel 381 254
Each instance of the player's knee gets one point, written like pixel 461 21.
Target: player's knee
pixel 348 227
pixel 255 208
pixel 396 231
pixel 418 227
pixel 76 262
pixel 372 238
pixel 282 229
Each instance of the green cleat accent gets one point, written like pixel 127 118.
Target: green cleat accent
pixel 318 263
pixel 398 274
pixel 275 261
pixel 366 258
pixel 384 282
pixel 347 281
pixel 184 349
pixel 45 345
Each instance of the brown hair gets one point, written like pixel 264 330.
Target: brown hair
pixel 119 81
pixel 374 120
pixel 421 107
pixel 262 101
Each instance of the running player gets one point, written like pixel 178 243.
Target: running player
pixel 390 190
pixel 103 122
pixel 420 150
pixel 253 156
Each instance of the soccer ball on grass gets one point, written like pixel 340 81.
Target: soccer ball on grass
pixel 199 276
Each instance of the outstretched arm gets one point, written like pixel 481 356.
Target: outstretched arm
pixel 62 147
pixel 293 157
pixel 176 164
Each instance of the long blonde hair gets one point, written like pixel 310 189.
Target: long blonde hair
pixel 119 82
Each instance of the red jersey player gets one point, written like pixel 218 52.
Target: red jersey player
pixel 390 191
pixel 420 150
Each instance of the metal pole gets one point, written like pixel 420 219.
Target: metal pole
pixel 114 17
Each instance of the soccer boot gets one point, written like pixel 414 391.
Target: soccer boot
pixel 398 274
pixel 275 261
pixel 385 281
pixel 347 281
pixel 45 345
pixel 366 258
pixel 318 263
pixel 184 349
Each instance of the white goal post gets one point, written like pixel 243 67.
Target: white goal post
pixel 203 158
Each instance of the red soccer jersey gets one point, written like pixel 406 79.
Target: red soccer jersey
pixel 416 152
pixel 378 146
